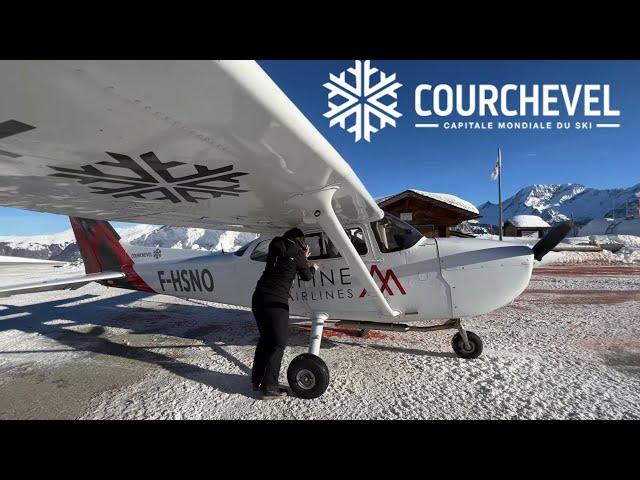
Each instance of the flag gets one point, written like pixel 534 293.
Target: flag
pixel 497 169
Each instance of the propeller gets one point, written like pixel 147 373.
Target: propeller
pixel 553 237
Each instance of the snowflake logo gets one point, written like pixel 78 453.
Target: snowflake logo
pixel 157 253
pixel 363 99
pixel 133 180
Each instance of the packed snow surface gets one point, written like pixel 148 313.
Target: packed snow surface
pixel 567 348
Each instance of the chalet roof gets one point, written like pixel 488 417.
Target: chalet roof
pixel 528 221
pixel 445 198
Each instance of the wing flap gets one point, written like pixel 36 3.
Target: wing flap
pixel 62 283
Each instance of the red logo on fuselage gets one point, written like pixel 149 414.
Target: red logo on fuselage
pixel 385 281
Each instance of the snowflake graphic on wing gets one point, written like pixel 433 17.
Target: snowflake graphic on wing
pixel 362 100
pixel 132 180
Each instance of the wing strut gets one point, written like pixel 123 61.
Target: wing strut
pixel 318 209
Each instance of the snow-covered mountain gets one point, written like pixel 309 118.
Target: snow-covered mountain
pixel 557 202
pixel 62 246
pixel 193 238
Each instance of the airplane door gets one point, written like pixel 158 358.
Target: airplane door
pixel 333 288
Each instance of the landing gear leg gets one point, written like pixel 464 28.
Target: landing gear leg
pixel 465 343
pixel 307 374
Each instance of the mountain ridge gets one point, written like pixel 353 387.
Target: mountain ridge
pixel 563 201
pixel 62 246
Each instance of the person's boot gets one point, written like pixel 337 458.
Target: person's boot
pixel 273 393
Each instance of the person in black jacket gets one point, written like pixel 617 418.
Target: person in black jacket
pixel 287 256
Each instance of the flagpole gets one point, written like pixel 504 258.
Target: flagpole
pixel 500 188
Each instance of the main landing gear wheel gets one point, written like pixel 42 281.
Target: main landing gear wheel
pixel 472 351
pixel 308 376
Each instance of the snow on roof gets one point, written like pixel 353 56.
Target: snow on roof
pixel 383 198
pixel 528 221
pixel 441 197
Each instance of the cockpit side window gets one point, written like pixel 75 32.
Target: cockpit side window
pixel 322 247
pixel 393 235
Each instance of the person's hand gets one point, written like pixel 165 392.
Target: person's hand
pixel 315 267
pixel 307 252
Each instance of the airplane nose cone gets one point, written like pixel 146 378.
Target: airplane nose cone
pixel 483 274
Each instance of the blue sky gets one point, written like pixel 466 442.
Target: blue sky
pixel 457 162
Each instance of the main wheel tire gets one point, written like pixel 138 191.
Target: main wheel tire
pixel 308 376
pixel 475 344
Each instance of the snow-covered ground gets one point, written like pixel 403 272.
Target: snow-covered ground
pixel 569 347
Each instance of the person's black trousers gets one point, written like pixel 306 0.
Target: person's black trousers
pixel 272 317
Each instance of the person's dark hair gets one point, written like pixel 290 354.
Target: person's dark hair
pixel 293 233
pixel 296 235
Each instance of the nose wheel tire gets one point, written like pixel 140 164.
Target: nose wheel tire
pixel 475 345
pixel 308 376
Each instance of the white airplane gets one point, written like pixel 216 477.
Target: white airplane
pixel 217 145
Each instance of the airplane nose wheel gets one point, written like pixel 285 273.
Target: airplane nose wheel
pixel 472 348
pixel 308 376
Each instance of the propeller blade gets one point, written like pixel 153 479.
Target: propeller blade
pixel 553 237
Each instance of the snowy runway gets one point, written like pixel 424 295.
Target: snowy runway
pixel 569 347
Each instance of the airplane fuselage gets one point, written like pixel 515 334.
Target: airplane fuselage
pixel 433 279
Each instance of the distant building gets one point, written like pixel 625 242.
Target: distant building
pixel 525 226
pixel 609 226
pixel 433 214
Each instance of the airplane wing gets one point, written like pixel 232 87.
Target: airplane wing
pixel 6 260
pixel 61 283
pixel 210 144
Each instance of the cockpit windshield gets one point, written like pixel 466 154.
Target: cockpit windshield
pixel 393 235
